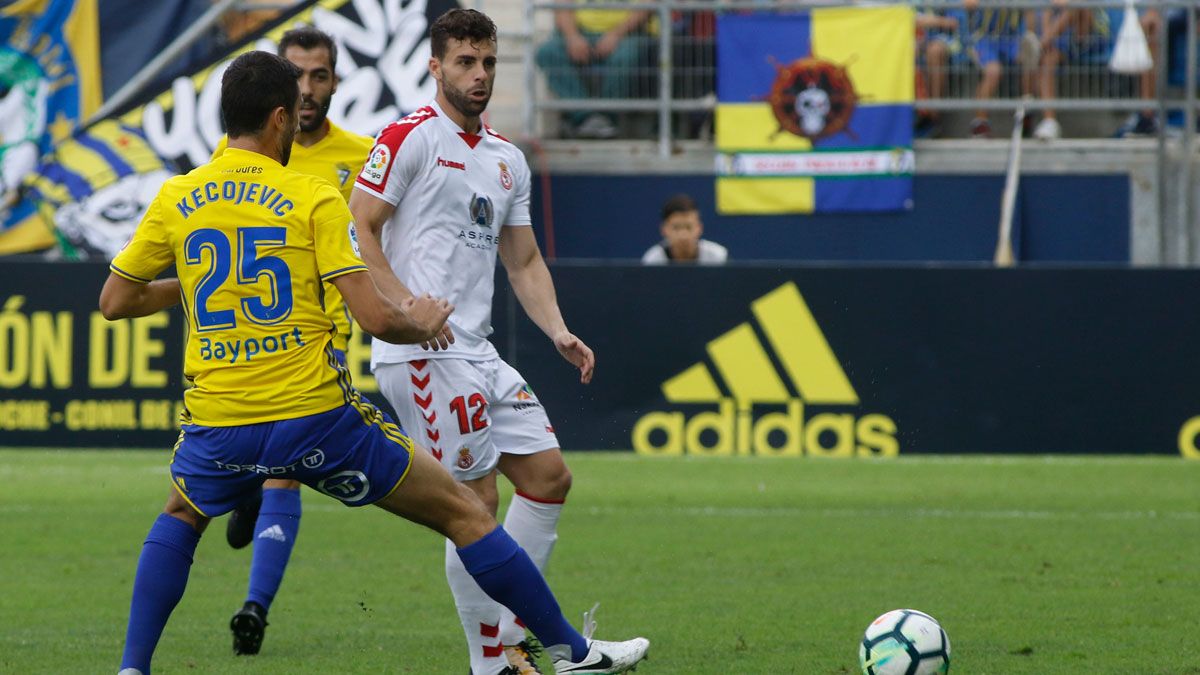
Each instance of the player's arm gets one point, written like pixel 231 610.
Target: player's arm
pixel 124 299
pixel 131 289
pixel 530 279
pixel 414 320
pixel 370 215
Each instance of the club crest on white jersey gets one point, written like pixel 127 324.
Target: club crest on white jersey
pixel 506 179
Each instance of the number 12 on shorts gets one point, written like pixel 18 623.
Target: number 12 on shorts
pixel 468 422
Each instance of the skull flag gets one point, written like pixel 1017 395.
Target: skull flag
pixel 815 111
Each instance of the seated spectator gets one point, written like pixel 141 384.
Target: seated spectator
pixel 1145 122
pixel 681 229
pixel 611 40
pixel 1077 36
pixel 938 46
pixel 998 37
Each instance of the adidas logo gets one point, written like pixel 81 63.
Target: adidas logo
pixel 757 413
pixel 273 532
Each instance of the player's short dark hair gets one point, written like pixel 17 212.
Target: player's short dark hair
pixel 678 204
pixel 253 85
pixel 309 37
pixel 467 25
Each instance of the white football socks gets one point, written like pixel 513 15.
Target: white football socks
pixel 489 626
pixel 534 525
pixel 480 617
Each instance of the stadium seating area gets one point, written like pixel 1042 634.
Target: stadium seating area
pixel 1058 56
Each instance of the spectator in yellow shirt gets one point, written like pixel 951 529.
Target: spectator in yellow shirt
pixel 605 43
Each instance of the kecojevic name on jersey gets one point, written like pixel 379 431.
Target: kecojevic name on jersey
pixel 236 192
pixel 253 243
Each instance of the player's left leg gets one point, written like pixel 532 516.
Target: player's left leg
pixel 365 459
pixel 532 462
pixel 542 482
pixel 162 574
pixel 446 403
pixel 203 486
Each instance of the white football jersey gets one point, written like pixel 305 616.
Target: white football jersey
pixel 453 191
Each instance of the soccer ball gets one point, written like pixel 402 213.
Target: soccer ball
pixel 904 642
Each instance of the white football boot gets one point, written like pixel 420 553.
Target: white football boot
pixel 603 658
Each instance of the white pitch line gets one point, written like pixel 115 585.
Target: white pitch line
pixel 962 514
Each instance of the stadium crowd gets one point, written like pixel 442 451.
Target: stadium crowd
pixel 970 52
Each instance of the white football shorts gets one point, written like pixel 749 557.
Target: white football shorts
pixel 466 412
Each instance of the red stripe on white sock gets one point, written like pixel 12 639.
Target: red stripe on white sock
pixel 539 500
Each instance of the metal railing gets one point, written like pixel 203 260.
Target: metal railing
pixel 666 72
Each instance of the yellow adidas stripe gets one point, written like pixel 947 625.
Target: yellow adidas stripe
pixel 802 347
pixel 745 366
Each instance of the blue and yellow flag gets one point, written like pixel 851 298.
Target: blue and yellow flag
pixel 49 83
pixel 815 111
pixel 93 188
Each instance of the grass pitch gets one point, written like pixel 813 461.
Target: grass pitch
pixel 1033 565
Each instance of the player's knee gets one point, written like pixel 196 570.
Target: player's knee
pixel 559 484
pixel 281 484
pixel 467 517
pixel 179 508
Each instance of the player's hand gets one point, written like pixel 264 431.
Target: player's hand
pixel 607 44
pixel 580 355
pixel 578 50
pixel 427 314
pixel 442 340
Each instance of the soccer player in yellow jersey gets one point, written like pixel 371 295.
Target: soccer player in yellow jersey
pixel 272 519
pixel 253 242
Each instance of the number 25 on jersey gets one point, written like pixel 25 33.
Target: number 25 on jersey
pixel 211 247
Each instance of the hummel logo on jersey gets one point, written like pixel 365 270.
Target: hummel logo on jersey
pixel 450 164
pixel 740 425
pixel 273 532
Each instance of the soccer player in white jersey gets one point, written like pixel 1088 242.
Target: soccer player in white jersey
pixel 442 193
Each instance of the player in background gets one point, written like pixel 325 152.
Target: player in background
pixel 271 519
pixel 440 195
pixel 268 397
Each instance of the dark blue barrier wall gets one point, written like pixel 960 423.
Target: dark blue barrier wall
pixel 734 360
pixel 958 360
pixel 1058 219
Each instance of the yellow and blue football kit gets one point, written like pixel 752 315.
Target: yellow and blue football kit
pixel 253 243
pixel 338 158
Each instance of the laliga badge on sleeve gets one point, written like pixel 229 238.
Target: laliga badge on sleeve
pixel 376 167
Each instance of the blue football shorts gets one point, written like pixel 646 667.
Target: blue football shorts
pixel 353 453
